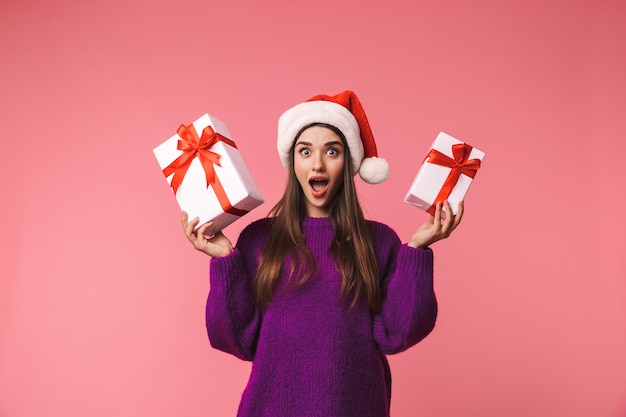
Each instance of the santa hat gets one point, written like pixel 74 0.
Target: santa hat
pixel 343 111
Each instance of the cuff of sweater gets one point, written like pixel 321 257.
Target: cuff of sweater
pixel 416 262
pixel 221 270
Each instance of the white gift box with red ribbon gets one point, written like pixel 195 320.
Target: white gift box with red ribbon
pixel 446 174
pixel 207 173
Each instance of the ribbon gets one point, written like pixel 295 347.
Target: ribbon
pixel 458 165
pixel 194 146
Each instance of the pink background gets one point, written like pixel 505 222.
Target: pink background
pixel 102 298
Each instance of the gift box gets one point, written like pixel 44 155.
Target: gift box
pixel 205 170
pixel 446 174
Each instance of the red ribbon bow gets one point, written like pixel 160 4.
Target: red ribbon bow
pixel 458 165
pixel 193 146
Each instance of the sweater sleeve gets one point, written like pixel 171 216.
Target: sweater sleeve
pixel 408 304
pixel 232 319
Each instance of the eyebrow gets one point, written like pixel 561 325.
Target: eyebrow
pixel 333 143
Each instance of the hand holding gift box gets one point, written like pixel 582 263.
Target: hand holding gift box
pixel 207 173
pixel 446 174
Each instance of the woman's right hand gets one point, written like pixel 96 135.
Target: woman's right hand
pixel 215 246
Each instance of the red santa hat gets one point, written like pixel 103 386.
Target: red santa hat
pixel 345 112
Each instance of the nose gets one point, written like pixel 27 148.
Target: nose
pixel 318 162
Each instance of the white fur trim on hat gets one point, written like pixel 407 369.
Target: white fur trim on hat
pixel 304 114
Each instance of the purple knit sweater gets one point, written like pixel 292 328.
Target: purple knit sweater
pixel 311 356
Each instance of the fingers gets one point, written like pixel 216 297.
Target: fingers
pixel 446 227
pixel 439 226
pixel 202 231
pixel 459 214
pixel 190 227
pixel 451 222
pixel 205 239
pixel 437 219
pixel 196 238
pixel 184 220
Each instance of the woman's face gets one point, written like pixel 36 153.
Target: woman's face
pixel 318 162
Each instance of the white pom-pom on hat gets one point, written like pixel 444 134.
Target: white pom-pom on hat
pixel 345 112
pixel 374 170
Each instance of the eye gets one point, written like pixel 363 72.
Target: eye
pixel 304 151
pixel 333 151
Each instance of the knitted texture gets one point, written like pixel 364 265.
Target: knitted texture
pixel 312 356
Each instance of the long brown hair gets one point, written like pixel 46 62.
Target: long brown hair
pixel 352 244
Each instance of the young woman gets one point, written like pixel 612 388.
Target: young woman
pixel 315 295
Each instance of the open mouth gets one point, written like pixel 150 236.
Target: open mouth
pixel 318 185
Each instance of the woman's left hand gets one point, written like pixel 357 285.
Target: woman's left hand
pixel 434 229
